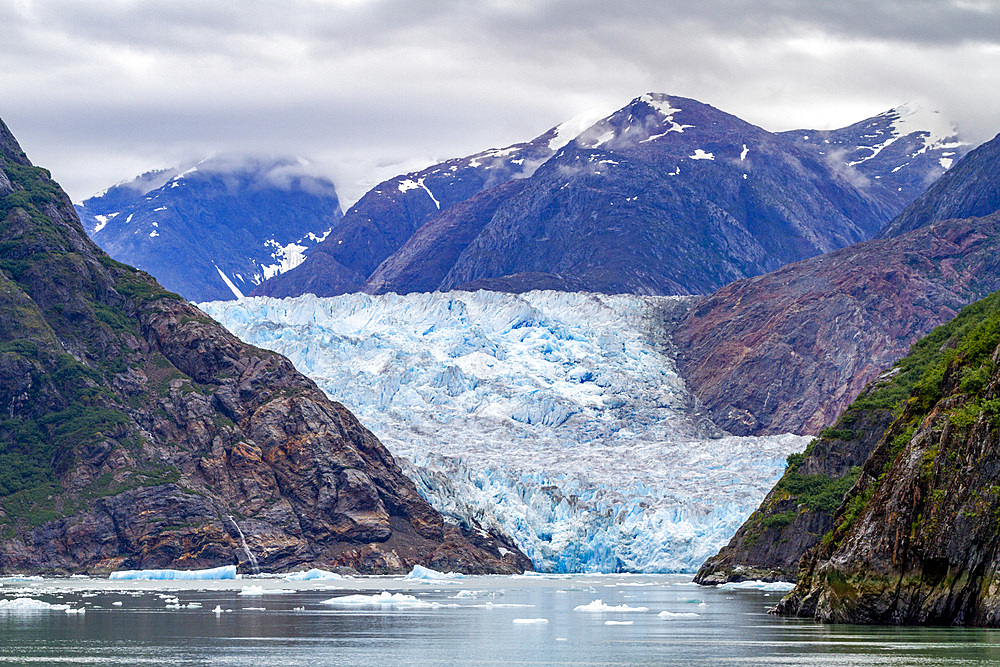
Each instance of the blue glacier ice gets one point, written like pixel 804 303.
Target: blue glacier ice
pixel 558 418
pixel 224 572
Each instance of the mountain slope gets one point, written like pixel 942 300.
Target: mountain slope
pixel 388 215
pixel 137 432
pixel 969 189
pixel 915 540
pixel 218 229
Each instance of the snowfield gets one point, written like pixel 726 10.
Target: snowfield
pixel 556 417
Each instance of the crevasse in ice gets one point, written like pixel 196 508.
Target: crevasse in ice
pixel 556 417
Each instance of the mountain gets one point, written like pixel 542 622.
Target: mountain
pixel 802 342
pixel 665 196
pixel 388 215
pixel 217 229
pixel 915 540
pixel 903 150
pixel 138 433
pixel 668 196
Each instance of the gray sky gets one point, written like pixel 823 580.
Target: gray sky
pixel 99 90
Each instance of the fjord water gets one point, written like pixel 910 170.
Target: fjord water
pixel 468 621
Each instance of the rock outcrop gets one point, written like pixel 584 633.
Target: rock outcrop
pixel 789 350
pixel 916 539
pixel 136 432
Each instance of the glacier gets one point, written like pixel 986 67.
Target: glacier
pixel 558 418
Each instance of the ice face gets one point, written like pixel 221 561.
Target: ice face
pixel 558 418
pixel 224 572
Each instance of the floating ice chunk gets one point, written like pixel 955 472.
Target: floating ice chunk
pixel 254 608
pixel 20 605
pixel 467 594
pixel 257 591
pixel 116 603
pixel 420 572
pixel 311 575
pixel 530 621
pixel 76 610
pixel 678 614
pixel 384 600
pixel 757 585
pixel 224 572
pixel 618 622
pixel 700 154
pixel 601 606
pixel 21 577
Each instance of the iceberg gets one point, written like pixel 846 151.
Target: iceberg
pixel 224 572
pixel 312 575
pixel 601 607
pixel 674 615
pixel 556 418
pixel 384 600
pixel 419 572
pixel 757 585
pixel 30 605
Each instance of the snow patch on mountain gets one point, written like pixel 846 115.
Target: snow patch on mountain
pixel 936 131
pixel 556 417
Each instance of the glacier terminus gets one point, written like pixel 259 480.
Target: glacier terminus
pixel 558 417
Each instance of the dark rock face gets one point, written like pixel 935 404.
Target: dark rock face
pixel 387 216
pixel 899 152
pixel 915 540
pixel 236 218
pixel 969 189
pixel 788 351
pixel 137 432
pixel 423 261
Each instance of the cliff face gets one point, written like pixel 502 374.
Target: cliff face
pixel 137 432
pixel 916 538
pixel 788 351
pixel 798 511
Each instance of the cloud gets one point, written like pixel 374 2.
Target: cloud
pixel 101 90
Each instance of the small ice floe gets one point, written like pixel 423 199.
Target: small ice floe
pixel 618 622
pixel 254 608
pixel 502 605
pixel 116 603
pixel 312 575
pixel 421 573
pixel 384 600
pixel 257 591
pixel 224 572
pixel 298 608
pixel 670 615
pixel 219 610
pixel 29 605
pixel 757 585
pixel 530 621
pixel 600 606
pixel 467 594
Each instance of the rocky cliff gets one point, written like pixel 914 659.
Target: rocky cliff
pixel 916 538
pixel 137 432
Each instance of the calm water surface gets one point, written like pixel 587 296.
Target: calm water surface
pixel 493 622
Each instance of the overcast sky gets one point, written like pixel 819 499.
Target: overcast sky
pixel 99 90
